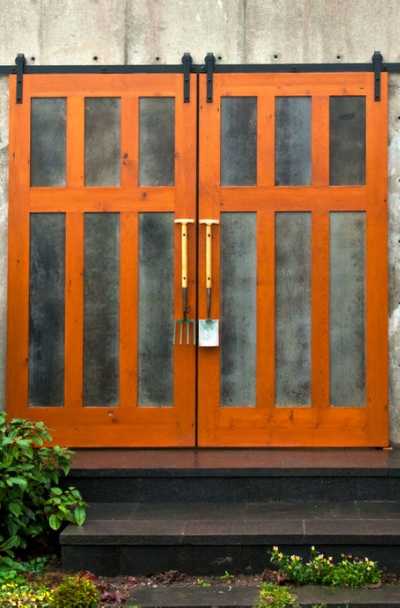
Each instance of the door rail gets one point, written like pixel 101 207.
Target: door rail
pixel 209 67
pixel 201 68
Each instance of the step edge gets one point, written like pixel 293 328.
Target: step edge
pixel 308 596
pixel 234 473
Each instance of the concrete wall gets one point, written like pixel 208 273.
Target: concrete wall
pixel 159 31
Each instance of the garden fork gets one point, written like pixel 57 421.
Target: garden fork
pixel 185 328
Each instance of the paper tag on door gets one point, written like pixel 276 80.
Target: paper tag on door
pixel 208 332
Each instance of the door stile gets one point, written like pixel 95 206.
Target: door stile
pixel 18 247
pixel 265 396
pixel 208 371
pixel 73 380
pixel 320 381
pixel 185 207
pixel 74 260
pixel 129 294
pixel 377 268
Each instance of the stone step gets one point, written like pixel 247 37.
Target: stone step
pixel 207 538
pixel 242 475
pixel 179 596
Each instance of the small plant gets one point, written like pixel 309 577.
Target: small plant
pixel 17 595
pixel 274 596
pixel 76 592
pixel 355 572
pixel 12 570
pixel 201 582
pixel 322 570
pixel 31 500
pixel 227 577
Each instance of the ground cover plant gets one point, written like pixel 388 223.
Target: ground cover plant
pixel 319 569
pixel 73 592
pixel 274 596
pixel 76 592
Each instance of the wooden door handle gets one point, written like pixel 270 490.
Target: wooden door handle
pixel 209 225
pixel 184 250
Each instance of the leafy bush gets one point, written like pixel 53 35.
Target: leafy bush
pixel 321 570
pixel 274 596
pixel 24 596
pixel 31 501
pixel 76 592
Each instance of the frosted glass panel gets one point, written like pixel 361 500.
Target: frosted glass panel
pixel 347 308
pixel 46 307
pixel 101 364
pixel 293 308
pixel 238 141
pixel 347 140
pixel 156 308
pixel 238 309
pixel 293 141
pixel 48 142
pixel 102 141
pixel 157 141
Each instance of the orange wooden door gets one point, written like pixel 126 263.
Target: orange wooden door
pixel 100 166
pixel 293 166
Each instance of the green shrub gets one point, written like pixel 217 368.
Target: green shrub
pixel 15 571
pixel 76 592
pixel 274 596
pixel 322 570
pixel 31 501
pixel 14 595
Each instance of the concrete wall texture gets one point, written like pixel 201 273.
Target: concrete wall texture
pixel 237 31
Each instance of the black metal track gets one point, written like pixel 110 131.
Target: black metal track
pixel 392 68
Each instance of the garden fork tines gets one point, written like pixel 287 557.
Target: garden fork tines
pixel 185 328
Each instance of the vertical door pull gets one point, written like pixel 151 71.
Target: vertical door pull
pixel 209 328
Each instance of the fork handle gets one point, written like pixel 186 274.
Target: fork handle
pixel 184 249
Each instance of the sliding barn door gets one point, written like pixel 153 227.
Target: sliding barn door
pixel 293 167
pixel 100 167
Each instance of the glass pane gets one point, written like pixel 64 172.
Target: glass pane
pixel 347 308
pixel 101 364
pixel 46 309
pixel 156 308
pixel 102 141
pixel 293 141
pixel 157 141
pixel 293 308
pixel 347 140
pixel 238 309
pixel 238 141
pixel 48 142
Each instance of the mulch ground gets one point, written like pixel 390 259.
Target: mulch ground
pixel 115 591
